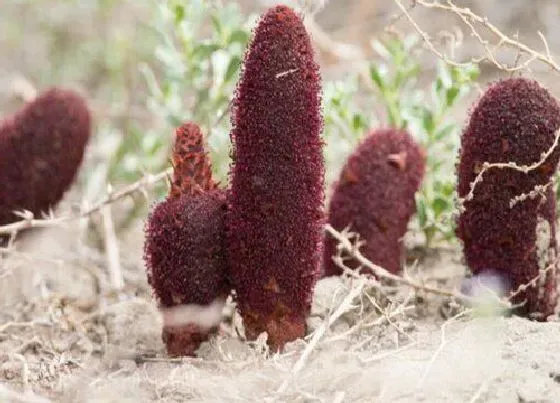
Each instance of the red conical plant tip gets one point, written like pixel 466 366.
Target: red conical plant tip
pixel 41 149
pixel 186 265
pixel 374 197
pixel 515 121
pixel 275 217
pixel 191 167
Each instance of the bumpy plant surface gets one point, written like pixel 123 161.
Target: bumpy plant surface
pixel 275 217
pixel 374 197
pixel 41 150
pixel 184 248
pixel 184 254
pixel 191 166
pixel 516 120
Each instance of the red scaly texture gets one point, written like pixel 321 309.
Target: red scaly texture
pixel 184 248
pixel 375 198
pixel 275 218
pixel 191 167
pixel 185 259
pixel 515 120
pixel 41 149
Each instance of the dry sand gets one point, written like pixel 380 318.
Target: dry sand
pixel 66 338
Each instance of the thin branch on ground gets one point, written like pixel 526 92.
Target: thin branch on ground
pixel 441 346
pixel 387 354
pixel 479 391
pixel 139 186
pixel 345 306
pixel 380 272
pixel 112 249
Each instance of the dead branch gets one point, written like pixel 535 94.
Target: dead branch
pixel 441 346
pixel 139 186
pixel 380 272
pixel 472 20
pixel 112 249
pixel 345 306
pixel 508 165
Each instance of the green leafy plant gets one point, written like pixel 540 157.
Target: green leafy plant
pixel 426 114
pixel 345 123
pixel 191 76
pixel 202 44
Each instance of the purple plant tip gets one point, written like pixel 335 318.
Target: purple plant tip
pixel 374 197
pixel 41 149
pixel 275 218
pixel 515 120
pixel 186 265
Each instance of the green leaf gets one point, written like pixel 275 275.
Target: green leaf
pixel 394 116
pixel 232 68
pixel 239 36
pixel 217 24
pixel 179 13
pixel 451 95
pixel 202 96
pixel 473 72
pixel 435 165
pixel 412 70
pixel 151 80
pixel 358 122
pixel 376 77
pixel 448 189
pixel 440 205
pixel 438 85
pixel 446 74
pixel 204 50
pixel 174 121
pixel 421 211
pixel 428 121
pixel 381 50
pixel 395 48
pixel 444 132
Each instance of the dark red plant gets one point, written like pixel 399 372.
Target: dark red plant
pixel 186 265
pixel 374 197
pixel 41 149
pixel 275 217
pixel 516 120
pixel 184 248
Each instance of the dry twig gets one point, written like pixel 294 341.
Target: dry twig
pixel 139 186
pixel 471 20
pixel 345 306
pixel 380 272
pixel 441 346
pixel 112 249
pixel 510 165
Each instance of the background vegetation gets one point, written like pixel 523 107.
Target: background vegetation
pixel 170 61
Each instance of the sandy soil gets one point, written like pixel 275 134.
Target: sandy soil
pixel 65 337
